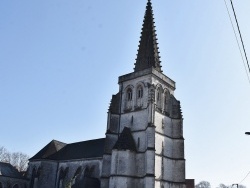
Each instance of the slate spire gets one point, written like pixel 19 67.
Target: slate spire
pixel 148 55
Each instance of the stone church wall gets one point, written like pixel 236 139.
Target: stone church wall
pixel 136 121
pixel 140 167
pixel 78 169
pixel 11 182
pixel 48 175
pixel 123 163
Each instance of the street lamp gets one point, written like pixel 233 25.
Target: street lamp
pixel 247 133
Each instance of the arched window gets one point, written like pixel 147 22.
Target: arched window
pixel 62 174
pixel 38 173
pixel 92 171
pixel 1 185
pixel 33 176
pixel 87 172
pixel 78 171
pixel 139 92
pixel 139 96
pixel 8 184
pixel 129 99
pixel 158 98
pixel 129 94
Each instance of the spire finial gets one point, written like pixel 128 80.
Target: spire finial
pixel 148 55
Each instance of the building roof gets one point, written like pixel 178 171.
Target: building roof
pixel 125 141
pixel 51 148
pixel 78 150
pixel 148 55
pixel 8 170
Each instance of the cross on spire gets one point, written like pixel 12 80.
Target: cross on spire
pixel 148 55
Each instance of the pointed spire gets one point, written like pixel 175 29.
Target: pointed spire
pixel 148 55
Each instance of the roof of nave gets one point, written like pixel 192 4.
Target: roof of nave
pixel 78 150
pixel 8 170
pixel 51 148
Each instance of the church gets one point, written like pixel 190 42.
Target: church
pixel 144 144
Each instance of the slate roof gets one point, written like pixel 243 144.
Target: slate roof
pixel 125 141
pixel 51 148
pixel 8 170
pixel 148 54
pixel 78 150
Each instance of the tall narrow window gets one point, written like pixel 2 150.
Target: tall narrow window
pixel 78 171
pixel 129 99
pixel 129 94
pixel 139 92
pixel 33 176
pixel 139 96
pixel 87 172
pixel 62 174
pixel 158 99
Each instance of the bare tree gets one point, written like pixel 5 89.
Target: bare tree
pixel 223 186
pixel 5 155
pixel 203 184
pixel 17 159
pixel 231 186
pixel 20 161
pixel 241 186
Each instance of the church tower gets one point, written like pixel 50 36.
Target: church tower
pixel 144 144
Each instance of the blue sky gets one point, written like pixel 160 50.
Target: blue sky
pixel 60 60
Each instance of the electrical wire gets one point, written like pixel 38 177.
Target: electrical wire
pixel 245 177
pixel 238 43
pixel 240 52
pixel 240 35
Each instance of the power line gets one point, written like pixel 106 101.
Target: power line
pixel 240 35
pixel 237 41
pixel 240 52
pixel 245 177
